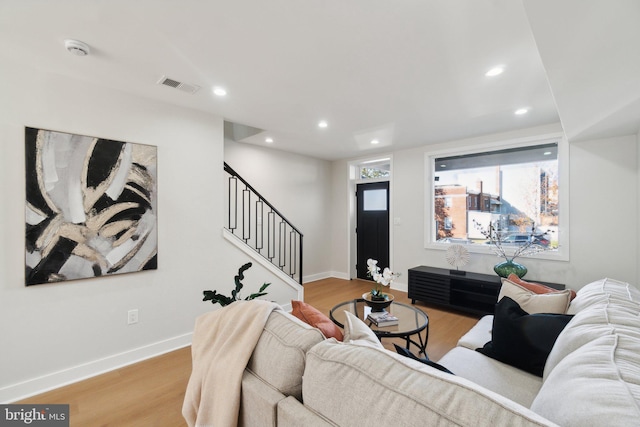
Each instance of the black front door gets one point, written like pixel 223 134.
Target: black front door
pixel 372 228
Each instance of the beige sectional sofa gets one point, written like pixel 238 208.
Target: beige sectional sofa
pixel 591 378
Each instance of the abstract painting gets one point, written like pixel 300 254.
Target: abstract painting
pixel 91 207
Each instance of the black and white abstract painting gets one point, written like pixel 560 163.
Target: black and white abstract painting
pixel 91 207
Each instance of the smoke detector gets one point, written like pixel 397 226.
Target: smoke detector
pixel 77 47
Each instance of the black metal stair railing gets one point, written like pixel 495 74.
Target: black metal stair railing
pixel 262 227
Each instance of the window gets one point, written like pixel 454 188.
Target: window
pixel 375 200
pixel 516 188
pixel 374 169
pixel 448 225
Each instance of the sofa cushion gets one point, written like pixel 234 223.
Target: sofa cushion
pixel 279 355
pixel 598 384
pixel 258 402
pixel 614 288
pixel 389 389
pixel 538 288
pixel 531 302
pixel 599 293
pixel 523 340
pixel 611 316
pixel 314 317
pixel 479 335
pixel 357 332
pixel 513 383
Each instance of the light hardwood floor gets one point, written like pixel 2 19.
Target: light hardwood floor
pixel 150 393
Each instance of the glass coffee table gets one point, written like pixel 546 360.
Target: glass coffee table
pixel 411 321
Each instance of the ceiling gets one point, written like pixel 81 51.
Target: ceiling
pixel 405 72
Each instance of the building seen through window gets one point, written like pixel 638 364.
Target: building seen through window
pixel 515 189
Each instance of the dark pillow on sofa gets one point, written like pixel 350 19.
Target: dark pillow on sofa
pixel 521 339
pixel 405 352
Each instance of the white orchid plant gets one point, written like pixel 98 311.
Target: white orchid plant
pixel 382 279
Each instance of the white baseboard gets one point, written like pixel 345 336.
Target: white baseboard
pixel 325 275
pixel 340 275
pixel 34 386
pixel 400 286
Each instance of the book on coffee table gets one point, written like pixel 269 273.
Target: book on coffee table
pixel 382 318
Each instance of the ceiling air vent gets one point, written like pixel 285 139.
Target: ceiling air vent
pixel 185 87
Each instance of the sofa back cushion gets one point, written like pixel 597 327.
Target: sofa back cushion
pixel 599 292
pixel 596 385
pixel 279 356
pixel 592 375
pixel 591 324
pixel 602 308
pixel 360 385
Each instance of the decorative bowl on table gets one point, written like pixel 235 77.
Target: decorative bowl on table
pixel 377 304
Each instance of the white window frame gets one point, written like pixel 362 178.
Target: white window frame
pixel 562 253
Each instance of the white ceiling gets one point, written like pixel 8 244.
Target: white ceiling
pixel 407 72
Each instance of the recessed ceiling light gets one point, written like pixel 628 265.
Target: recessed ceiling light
pixel 323 124
pixel 219 91
pixel 494 71
pixel 268 140
pixel 443 165
pixel 547 153
pixel 521 111
pixel 375 141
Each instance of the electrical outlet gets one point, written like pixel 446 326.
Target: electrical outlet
pixel 132 316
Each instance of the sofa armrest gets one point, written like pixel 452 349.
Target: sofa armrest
pixel 259 401
pixel 292 413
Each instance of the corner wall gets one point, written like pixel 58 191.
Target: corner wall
pixel 58 333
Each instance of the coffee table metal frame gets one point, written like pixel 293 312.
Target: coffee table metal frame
pixel 400 310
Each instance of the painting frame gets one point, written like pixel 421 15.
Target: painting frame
pixel 90 207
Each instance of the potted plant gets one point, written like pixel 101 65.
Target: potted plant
pixel 223 300
pixel 376 298
pixel 497 239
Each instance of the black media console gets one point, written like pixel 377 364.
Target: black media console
pixel 473 292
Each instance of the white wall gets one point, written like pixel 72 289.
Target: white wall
pixel 603 223
pixel 604 210
pixel 342 228
pixel 57 333
pixel 300 188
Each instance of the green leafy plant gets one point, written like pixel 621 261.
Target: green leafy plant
pixel 223 300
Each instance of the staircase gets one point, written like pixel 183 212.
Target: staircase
pixel 260 228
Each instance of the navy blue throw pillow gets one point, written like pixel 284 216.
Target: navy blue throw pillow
pixel 521 339
pixel 405 352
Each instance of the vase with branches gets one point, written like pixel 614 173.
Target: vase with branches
pixel 496 238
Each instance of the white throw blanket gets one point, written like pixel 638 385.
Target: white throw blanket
pixel 223 342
